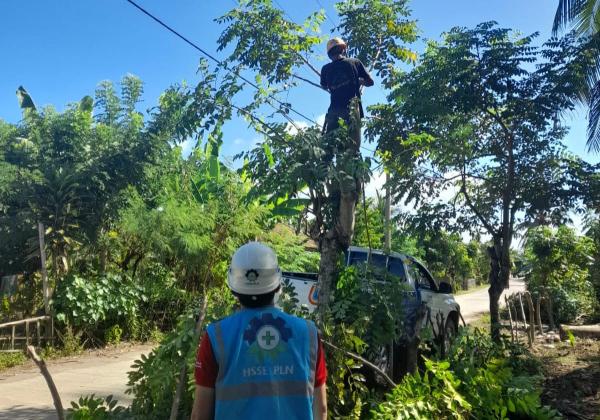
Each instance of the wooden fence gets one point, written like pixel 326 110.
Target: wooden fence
pixel 17 335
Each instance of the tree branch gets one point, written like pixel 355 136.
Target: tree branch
pixel 364 361
pixel 309 82
pixel 46 373
pixel 485 223
pixel 310 66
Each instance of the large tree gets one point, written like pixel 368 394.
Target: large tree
pixel 478 120
pixel 326 172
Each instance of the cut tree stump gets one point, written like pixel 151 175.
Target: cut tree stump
pixel 581 331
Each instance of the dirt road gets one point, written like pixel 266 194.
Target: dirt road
pixel 24 394
pixel 473 305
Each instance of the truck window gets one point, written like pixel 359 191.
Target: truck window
pixel 379 260
pixel 396 268
pixel 421 276
pixel 357 257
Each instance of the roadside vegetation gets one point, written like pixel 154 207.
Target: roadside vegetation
pixel 138 236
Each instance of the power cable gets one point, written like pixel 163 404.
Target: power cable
pixel 216 60
pixel 223 65
pixel 335 25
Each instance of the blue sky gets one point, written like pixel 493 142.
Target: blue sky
pixel 59 50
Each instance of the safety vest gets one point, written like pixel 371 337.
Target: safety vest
pixel 266 360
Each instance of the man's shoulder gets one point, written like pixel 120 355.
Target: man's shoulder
pixel 354 61
pixel 326 67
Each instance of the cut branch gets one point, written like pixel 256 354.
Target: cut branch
pixel 46 373
pixel 310 66
pixel 364 361
pixel 309 82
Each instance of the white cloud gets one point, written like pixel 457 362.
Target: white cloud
pixel 187 146
pixel 375 184
pixel 293 128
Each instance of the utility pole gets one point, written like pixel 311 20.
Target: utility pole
pixel 45 289
pixel 387 243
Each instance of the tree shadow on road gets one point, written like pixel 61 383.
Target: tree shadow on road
pixel 20 412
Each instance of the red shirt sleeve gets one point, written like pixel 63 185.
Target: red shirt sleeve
pixel 321 369
pixel 206 366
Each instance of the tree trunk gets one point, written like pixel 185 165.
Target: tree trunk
pixel 496 288
pixel 45 287
pixel 387 243
pixel 343 197
pixel 328 271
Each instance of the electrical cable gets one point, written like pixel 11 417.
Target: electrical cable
pixel 335 25
pixel 223 65
pixel 216 60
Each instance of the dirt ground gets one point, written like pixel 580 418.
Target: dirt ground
pixel 572 378
pixel 24 394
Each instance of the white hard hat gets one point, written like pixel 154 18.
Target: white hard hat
pixel 254 270
pixel 334 42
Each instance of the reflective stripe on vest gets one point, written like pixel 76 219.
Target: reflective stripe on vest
pixel 266 364
pixel 264 389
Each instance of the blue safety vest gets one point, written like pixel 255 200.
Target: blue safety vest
pixel 267 362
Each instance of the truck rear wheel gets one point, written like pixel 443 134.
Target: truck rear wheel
pixel 450 331
pixel 404 359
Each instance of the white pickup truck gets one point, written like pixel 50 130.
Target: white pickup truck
pixel 437 298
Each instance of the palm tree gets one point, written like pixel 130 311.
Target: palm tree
pixel 583 17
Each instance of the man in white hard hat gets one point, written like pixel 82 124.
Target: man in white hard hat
pixel 260 362
pixel 343 78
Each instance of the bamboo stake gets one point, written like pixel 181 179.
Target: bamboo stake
pixel 512 304
pixel 550 310
pixel 512 332
pixel 538 313
pixel 522 311
pixel 525 319
pixel 531 317
pixel 46 373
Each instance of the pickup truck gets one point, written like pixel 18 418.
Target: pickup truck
pixel 437 297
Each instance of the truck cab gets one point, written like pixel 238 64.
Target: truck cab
pixel 437 297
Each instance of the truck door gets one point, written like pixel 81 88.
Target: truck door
pixel 427 288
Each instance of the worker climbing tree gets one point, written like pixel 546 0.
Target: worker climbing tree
pixel 343 78
pixel 318 175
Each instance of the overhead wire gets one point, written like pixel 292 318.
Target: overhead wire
pixel 335 25
pixel 223 65
pixel 216 60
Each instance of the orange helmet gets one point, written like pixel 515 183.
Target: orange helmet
pixel 334 42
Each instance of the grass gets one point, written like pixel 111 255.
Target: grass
pixel 483 322
pixel 8 360
pixel 473 289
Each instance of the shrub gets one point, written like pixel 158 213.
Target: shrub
pixel 480 379
pixel 91 407
pixel 113 335
pixel 94 303
pixel 153 378
pixel 8 360
pixel 559 267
